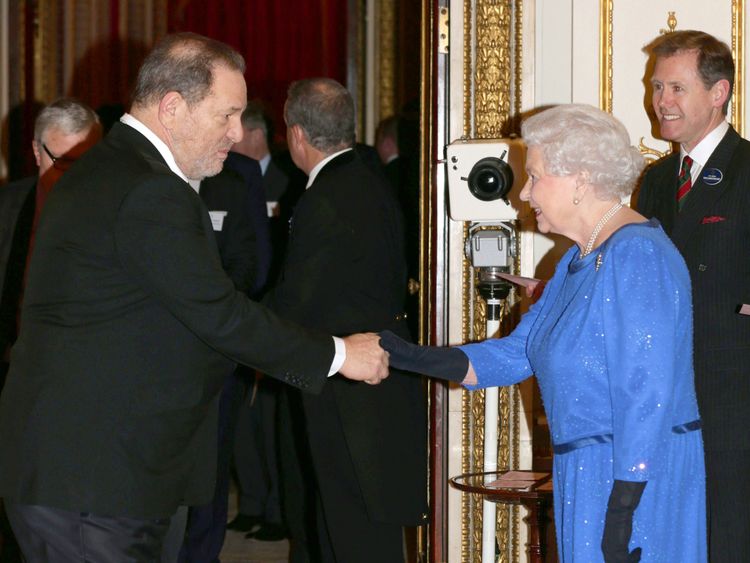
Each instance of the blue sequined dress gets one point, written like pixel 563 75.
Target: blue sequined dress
pixel 610 342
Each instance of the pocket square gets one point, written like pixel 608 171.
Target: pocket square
pixel 712 219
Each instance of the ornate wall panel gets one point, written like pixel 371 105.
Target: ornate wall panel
pixel 491 63
pixel 626 27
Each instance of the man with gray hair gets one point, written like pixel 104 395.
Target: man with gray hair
pixel 345 271
pixel 63 131
pixel 256 143
pixel 108 419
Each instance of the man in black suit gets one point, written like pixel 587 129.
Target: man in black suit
pixel 240 229
pixel 256 144
pixel 345 272
pixel 701 195
pixel 63 131
pixel 130 325
pixel 237 211
pixel 255 449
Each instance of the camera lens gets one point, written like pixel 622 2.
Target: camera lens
pixel 490 179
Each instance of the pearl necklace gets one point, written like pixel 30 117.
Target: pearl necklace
pixel 598 228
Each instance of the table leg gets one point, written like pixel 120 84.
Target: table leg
pixel 537 522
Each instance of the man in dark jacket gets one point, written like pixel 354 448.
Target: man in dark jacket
pixel 345 272
pixel 63 131
pixel 130 325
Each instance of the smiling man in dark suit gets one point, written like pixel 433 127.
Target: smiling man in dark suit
pixel 345 272
pixel 701 195
pixel 130 325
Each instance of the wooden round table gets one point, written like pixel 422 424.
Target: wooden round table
pixel 532 489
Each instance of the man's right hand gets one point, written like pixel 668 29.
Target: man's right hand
pixel 365 359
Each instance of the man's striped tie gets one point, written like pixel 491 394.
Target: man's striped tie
pixel 684 181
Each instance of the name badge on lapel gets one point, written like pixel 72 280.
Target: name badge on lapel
pixel 217 219
pixel 712 176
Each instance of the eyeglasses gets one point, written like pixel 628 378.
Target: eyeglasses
pixel 59 162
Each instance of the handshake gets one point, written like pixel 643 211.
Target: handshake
pixel 368 356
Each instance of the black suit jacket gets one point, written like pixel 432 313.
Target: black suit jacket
pixel 275 182
pixel 17 205
pixel 712 232
pixel 238 229
pixel 345 272
pixel 129 327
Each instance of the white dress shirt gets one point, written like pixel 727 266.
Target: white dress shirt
pixel 703 150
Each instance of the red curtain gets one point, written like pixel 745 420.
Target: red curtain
pixel 281 40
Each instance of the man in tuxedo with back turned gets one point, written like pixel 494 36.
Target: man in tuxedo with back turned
pixel 701 196
pixel 130 325
pixel 345 272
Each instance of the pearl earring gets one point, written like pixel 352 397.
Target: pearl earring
pixel 576 201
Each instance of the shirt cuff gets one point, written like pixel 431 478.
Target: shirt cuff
pixel 339 357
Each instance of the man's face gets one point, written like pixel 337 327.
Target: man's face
pixel 686 110
pixel 62 149
pixel 203 135
pixel 387 149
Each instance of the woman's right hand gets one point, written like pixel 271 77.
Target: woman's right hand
pixel 434 361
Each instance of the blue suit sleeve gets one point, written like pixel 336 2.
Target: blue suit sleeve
pixel 503 361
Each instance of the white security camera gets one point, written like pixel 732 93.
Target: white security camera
pixel 484 179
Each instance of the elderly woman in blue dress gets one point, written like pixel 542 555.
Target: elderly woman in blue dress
pixel 610 342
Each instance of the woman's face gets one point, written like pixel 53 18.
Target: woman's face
pixel 551 197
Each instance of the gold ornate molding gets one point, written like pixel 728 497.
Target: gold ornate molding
pixel 518 58
pixel 649 153
pixel 468 105
pixel 387 58
pixel 671 23
pixel 738 52
pixel 605 55
pixel 492 86
pixel 493 67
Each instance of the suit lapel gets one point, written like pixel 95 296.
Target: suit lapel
pixel 703 196
pixel 127 139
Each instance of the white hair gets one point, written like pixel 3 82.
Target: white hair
pixel 578 138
